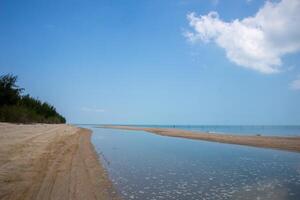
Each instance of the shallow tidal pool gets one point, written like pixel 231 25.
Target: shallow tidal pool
pixel 147 166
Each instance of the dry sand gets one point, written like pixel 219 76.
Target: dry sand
pixel 50 162
pixel 282 143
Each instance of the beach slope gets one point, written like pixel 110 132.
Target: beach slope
pixel 50 162
pixel 282 143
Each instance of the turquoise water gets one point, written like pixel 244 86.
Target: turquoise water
pixel 243 130
pixel 148 166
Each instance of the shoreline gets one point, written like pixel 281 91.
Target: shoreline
pixel 44 161
pixel 272 142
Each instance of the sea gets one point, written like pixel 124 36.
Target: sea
pixel 152 167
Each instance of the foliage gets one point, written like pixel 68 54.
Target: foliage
pixel 23 109
pixel 9 91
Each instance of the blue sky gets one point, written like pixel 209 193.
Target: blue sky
pixel 133 61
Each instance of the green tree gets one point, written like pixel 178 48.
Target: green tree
pixel 24 109
pixel 10 93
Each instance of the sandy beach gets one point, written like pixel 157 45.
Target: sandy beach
pixel 282 143
pixel 50 162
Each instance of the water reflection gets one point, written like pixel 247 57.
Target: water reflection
pixel 148 166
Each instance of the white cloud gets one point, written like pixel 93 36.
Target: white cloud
pixel 86 109
pixel 257 42
pixel 295 84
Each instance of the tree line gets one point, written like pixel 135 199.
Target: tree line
pixel 18 108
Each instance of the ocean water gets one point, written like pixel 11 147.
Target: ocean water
pixel 148 166
pixel 267 130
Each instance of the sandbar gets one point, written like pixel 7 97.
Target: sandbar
pixel 274 142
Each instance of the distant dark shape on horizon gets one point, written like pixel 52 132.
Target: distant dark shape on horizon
pixel 18 108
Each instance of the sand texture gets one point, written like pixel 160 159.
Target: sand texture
pixel 50 162
pixel 282 143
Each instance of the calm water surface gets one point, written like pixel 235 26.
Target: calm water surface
pixel 241 130
pixel 148 166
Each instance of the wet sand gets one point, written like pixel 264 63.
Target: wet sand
pixel 50 162
pixel 274 142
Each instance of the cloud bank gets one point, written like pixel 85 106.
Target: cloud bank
pixel 258 42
